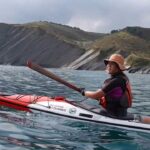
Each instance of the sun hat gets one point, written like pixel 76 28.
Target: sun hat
pixel 118 59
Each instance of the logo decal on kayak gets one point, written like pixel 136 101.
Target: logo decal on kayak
pixel 55 107
pixel 72 110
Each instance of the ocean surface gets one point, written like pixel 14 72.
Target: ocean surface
pixel 24 131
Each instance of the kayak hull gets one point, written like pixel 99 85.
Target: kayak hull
pixel 62 107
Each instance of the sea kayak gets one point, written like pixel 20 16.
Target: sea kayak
pixel 71 109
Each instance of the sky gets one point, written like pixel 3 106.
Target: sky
pixel 101 16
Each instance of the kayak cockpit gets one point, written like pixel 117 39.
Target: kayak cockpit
pixel 98 110
pixel 129 117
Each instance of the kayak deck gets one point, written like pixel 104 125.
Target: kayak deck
pixel 71 109
pixel 26 100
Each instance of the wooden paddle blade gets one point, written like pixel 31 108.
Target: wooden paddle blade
pixel 29 63
pixel 51 75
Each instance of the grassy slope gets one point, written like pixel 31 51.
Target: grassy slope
pixel 134 48
pixel 65 33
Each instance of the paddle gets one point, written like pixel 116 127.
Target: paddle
pixel 52 75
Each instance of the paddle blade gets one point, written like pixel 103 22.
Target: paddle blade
pixel 29 63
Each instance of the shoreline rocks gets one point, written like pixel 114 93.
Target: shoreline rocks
pixel 141 70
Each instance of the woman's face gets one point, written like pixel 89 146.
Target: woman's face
pixel 112 68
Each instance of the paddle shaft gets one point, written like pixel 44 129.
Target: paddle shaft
pixel 51 75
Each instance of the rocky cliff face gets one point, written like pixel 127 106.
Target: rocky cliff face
pixel 19 44
pixel 55 45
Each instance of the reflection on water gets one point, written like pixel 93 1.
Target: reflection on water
pixel 20 130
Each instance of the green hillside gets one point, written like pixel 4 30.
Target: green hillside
pixel 64 32
pixel 135 49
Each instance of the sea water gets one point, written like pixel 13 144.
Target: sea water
pixel 24 131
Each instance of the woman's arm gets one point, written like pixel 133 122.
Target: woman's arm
pixel 94 94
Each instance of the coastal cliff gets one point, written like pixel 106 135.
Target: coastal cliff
pixel 56 45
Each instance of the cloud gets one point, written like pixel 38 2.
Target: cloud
pixel 89 15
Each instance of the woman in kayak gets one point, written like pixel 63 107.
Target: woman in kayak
pixel 115 94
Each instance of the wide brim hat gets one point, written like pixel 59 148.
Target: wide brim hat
pixel 118 59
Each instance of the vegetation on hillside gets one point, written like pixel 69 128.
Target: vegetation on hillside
pixel 136 60
pixel 64 32
pixel 134 48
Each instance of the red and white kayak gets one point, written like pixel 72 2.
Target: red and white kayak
pixel 75 110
